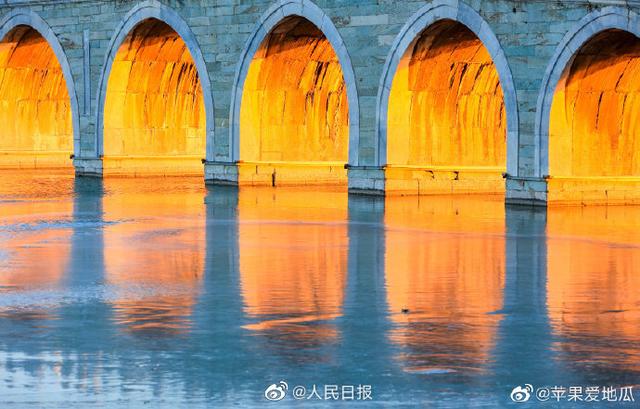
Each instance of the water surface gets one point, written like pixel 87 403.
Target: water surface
pixel 167 293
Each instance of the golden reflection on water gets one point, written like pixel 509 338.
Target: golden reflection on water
pixel 293 264
pixel 154 252
pixel 444 268
pixel 35 244
pixel 445 274
pixel 592 286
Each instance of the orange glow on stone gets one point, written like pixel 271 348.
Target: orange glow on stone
pixel 294 103
pixel 594 116
pixel 35 109
pixel 154 119
pixel 594 124
pixel 446 106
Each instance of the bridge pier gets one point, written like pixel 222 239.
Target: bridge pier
pixel 88 166
pixel 529 191
pixel 221 173
pixel 366 180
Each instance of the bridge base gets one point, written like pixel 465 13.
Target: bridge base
pixel 34 160
pixel 583 191
pixel 221 173
pixel 88 166
pixel 366 180
pixel 443 180
pixel 607 190
pixel 526 191
pixel 416 180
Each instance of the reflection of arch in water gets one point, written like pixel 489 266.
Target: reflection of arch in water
pixel 35 246
pixel 37 95
pixel 293 262
pixel 592 289
pixel 158 279
pixel 37 254
pixel 445 265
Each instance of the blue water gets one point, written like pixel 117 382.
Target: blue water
pixel 166 293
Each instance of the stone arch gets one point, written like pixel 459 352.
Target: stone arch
pixel 146 10
pixel 25 17
pixel 268 21
pixel 608 18
pixel 427 16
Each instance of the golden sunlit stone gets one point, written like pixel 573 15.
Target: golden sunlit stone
pixel 154 119
pixel 35 109
pixel 294 119
pixel 446 119
pixel 594 124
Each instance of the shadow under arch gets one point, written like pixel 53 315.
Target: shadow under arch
pixel 427 16
pixel 24 17
pixel 148 10
pixel 268 21
pixel 590 29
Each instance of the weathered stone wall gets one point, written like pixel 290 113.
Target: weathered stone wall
pixel 294 100
pixel 36 115
pixel 535 38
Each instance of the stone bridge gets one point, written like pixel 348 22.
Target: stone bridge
pixel 538 99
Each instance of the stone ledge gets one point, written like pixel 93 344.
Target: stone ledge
pixel 220 173
pixel 88 166
pixel 366 180
pixel 526 191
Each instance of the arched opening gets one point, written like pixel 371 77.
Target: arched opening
pixel 154 114
pixel 294 116
pixel 594 152
pixel 446 119
pixel 35 108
